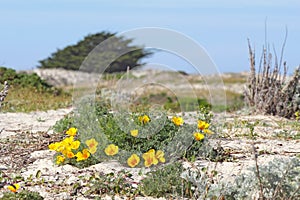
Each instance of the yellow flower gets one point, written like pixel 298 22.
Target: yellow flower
pixel 85 154
pixel 13 187
pixel 69 154
pixel 202 125
pixel 178 121
pixel 75 144
pixel 208 131
pixel 144 119
pixel 93 150
pixel 60 159
pixel 297 114
pixel 54 146
pixel 160 156
pixel 72 131
pixel 133 160
pixel 111 150
pixel 134 133
pixel 150 158
pixel 67 142
pixel 198 136
pixel 92 144
pixel 60 146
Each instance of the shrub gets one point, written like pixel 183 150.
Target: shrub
pixel 166 182
pixel 114 183
pixel 24 90
pixel 22 79
pixel 133 138
pixel 269 91
pixel 279 180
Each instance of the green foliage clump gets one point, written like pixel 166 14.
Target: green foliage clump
pixel 16 79
pixel 279 179
pixel 24 195
pixel 71 57
pixel 159 134
pixel 28 92
pixel 114 183
pixel 166 182
pixel 64 123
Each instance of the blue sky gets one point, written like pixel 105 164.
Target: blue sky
pixel 31 30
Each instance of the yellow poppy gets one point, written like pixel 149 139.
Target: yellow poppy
pixel 144 119
pixel 198 136
pixel 202 125
pixel 133 160
pixel 54 146
pixel 75 144
pixel 93 150
pixel 72 131
pixel 67 142
pixel 70 154
pixel 60 147
pixel 111 150
pixel 13 187
pixel 92 144
pixel 134 133
pixel 178 121
pixel 207 131
pixel 150 158
pixel 60 159
pixel 160 156
pixel 85 154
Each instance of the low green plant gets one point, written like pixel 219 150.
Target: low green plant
pixel 203 181
pixel 279 180
pixel 64 123
pixel 24 195
pixel 166 182
pixel 141 134
pixel 115 183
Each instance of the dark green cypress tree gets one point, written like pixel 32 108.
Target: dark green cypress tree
pixel 72 57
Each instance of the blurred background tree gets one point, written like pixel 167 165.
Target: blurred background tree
pixel 72 57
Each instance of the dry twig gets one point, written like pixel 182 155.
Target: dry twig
pixel 4 92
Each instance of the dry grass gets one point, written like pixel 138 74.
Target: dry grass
pixel 21 99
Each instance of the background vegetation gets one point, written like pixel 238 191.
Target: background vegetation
pixel 269 91
pixel 72 57
pixel 28 92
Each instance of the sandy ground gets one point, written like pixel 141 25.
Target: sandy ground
pixel 24 139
